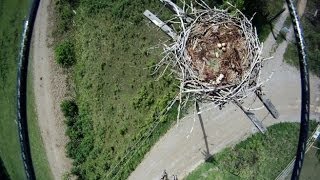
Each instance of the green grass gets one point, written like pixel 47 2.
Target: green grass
pixel 291 55
pixel 265 10
pixel 311 27
pixel 258 157
pixel 311 165
pixel 118 101
pixel 287 22
pixel 39 157
pixel 12 13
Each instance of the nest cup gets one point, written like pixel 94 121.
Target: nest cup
pixel 218 52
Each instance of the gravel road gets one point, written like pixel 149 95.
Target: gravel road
pixel 181 150
pixel 49 88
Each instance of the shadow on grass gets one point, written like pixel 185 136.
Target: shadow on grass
pixel 3 171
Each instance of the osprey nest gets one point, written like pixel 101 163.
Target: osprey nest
pixel 216 56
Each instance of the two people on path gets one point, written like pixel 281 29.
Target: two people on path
pixel 165 176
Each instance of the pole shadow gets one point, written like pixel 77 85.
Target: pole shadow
pixel 205 152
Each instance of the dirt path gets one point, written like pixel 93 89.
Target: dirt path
pixel 181 150
pixel 49 88
pixel 302 4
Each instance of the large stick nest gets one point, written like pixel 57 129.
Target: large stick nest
pixel 216 57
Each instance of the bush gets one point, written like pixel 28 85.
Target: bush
pixel 64 54
pixel 69 109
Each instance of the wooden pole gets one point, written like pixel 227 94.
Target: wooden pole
pixel 203 130
pixel 163 26
pixel 177 10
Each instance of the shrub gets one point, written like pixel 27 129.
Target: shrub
pixel 64 54
pixel 69 109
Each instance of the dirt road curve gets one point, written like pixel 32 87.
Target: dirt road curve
pixel 180 150
pixel 49 88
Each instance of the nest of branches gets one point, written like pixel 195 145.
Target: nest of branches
pixel 217 53
pixel 216 56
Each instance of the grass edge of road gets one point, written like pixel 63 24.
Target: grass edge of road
pixel 311 27
pixel 249 158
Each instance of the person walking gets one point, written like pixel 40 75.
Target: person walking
pixel 164 175
pixel 175 177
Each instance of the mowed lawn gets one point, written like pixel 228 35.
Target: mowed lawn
pixel 12 13
pixel 258 157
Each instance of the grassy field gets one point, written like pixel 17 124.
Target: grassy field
pixel 118 100
pixel 311 165
pixel 12 13
pixel 258 157
pixel 264 11
pixel 311 27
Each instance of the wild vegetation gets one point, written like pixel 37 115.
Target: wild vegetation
pixel 311 27
pixel 117 102
pixel 258 157
pixel 12 13
pixel 64 54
